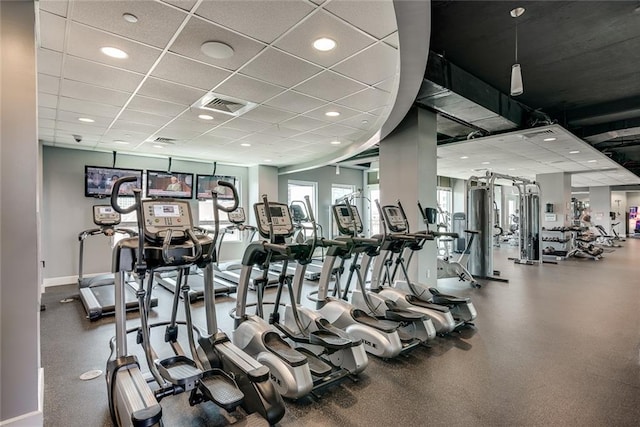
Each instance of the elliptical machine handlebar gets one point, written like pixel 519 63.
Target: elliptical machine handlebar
pixel 114 195
pixel 274 247
pixel 219 207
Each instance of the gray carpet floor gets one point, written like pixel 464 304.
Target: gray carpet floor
pixel 557 345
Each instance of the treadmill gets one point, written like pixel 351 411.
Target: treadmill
pixel 230 270
pixel 195 279
pixel 97 293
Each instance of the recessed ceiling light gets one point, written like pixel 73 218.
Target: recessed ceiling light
pixel 574 152
pixel 549 139
pixel 86 120
pixel 246 144
pixel 592 161
pixel 158 146
pixel 114 52
pixel 205 117
pixel 486 163
pixel 324 44
pixel 121 142
pixel 130 17
pixel 336 142
pixel 217 50
pixel 268 160
pixel 464 157
pixel 511 169
pixel 332 114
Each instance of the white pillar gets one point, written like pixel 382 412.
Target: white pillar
pixel 19 226
pixel 555 188
pixel 600 206
pixel 262 180
pixel 408 173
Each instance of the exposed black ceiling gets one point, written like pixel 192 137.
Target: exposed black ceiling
pixel 580 65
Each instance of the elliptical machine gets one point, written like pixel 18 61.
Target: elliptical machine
pixel 294 372
pixel 447 312
pixel 166 241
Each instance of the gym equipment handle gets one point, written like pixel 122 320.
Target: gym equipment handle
pixel 235 197
pixel 282 249
pixel 114 195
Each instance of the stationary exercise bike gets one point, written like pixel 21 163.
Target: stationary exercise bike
pixel 166 240
pixel 447 266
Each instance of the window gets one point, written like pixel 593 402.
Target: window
pixel 445 203
pixel 338 191
pixel 205 216
pixel 297 190
pixel 374 219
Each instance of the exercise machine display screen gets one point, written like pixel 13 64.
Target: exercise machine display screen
pixel 105 215
pixel 345 222
pixel 395 219
pixel 280 219
pixel 238 216
pixel 162 215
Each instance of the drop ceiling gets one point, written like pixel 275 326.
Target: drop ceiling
pixel 150 94
pixel 525 153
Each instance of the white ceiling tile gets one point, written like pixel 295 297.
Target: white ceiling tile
pixel 281 131
pixel 295 102
pixel 198 31
pixel 230 133
pixel 178 132
pixel 107 15
pixel 88 107
pixel 46 123
pixel 248 89
pixel 268 115
pixel 48 84
pixel 368 99
pixel 330 86
pixel 78 90
pixel 320 113
pixel 164 108
pixel 300 40
pixel 182 4
pixel 335 130
pixel 280 68
pixel 134 116
pixel 392 40
pixel 388 85
pixel 86 42
pixel 312 138
pixel 302 123
pixel 360 121
pixel 172 92
pixel 192 114
pixel 186 71
pixel 245 125
pixel 47 100
pixel 100 75
pixel 52 31
pixel 250 17
pixel 49 62
pixel 58 7
pixel 72 117
pixel 376 17
pixel 381 63
pixel 186 124
pixel 124 135
pixel 46 113
pixel 80 128
pixel 135 127
pixel 211 140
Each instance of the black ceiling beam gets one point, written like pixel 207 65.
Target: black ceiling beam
pixel 606 112
pixel 609 127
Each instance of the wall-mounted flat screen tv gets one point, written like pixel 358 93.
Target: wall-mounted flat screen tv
pixel 206 183
pixel 99 180
pixel 176 185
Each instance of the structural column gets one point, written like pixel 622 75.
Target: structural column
pixel 262 180
pixel 555 189
pixel 408 173
pixel 600 206
pixel 20 388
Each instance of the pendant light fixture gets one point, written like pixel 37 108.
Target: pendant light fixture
pixel 516 72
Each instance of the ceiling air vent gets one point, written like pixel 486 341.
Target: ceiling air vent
pixel 161 140
pixel 224 104
pixel 538 133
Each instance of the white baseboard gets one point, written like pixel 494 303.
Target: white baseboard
pixel 65 280
pixel 32 419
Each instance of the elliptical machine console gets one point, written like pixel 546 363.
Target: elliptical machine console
pixel 349 224
pixel 237 216
pixel 281 224
pixel 105 216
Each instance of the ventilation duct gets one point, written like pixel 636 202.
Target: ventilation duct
pixel 228 105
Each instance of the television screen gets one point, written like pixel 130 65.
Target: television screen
pixel 177 185
pixel 98 181
pixel 206 183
